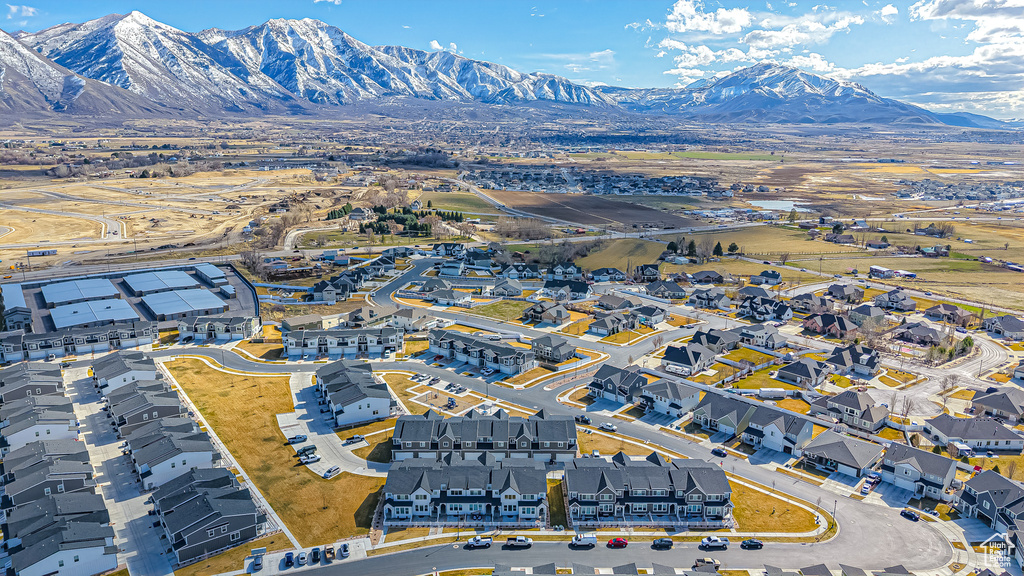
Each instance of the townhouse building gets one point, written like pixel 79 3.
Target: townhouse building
pixel 354 393
pixel 342 342
pixel 621 385
pixel 477 490
pixel 221 329
pixel 623 491
pixel 18 346
pixel 122 367
pixel 777 430
pixel 542 437
pixel 481 352
pixel 168 457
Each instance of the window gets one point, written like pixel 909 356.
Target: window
pixel 60 563
pixel 694 497
pixel 421 496
pixel 508 497
pixel 639 492
pixel 76 558
pixel 607 497
pixel 60 487
pixel 172 464
pixel 659 507
pixel 223 529
pixel 235 536
pixel 445 444
pixel 46 491
pixel 639 507
pixel 211 533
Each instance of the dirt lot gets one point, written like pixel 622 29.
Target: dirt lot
pixel 587 210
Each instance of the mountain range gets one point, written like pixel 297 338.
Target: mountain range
pixel 133 66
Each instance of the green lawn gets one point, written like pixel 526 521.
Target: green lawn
pixel 457 201
pixel 556 504
pixel 503 310
pixel 760 379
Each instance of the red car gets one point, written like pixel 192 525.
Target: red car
pixel 617 543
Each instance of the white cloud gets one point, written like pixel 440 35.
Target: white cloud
pixel 335 2
pixel 14 10
pixel 435 45
pixel 452 47
pixel 805 31
pixel 812 61
pixel 690 16
pixel 888 13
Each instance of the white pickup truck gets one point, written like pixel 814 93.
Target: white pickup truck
pixel 479 542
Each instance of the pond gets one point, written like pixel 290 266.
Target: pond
pixel 782 205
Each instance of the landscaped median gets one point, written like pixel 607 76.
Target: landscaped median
pixel 241 409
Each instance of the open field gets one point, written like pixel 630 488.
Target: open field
pixel 756 511
pixel 458 202
pixel 241 409
pixel 31 227
pixel 586 210
pixel 622 253
pixel 503 310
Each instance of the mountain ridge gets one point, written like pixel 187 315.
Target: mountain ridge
pixel 307 66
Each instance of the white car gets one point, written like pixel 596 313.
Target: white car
pixel 309 459
pixel 609 427
pixel 487 371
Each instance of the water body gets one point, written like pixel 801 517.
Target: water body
pixel 783 205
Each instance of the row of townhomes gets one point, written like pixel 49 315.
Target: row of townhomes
pixel 643 492
pixel 16 345
pixel 199 503
pixel 219 329
pixel 354 393
pixel 343 343
pixel 481 352
pixel 54 520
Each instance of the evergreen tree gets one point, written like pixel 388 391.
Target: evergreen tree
pixel 733 248
pixel 672 247
pixel 718 249
pixel 691 248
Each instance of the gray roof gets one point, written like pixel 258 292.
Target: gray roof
pixel 12 296
pixel 805 368
pixel 121 362
pixel 32 475
pixel 35 452
pixel 717 406
pixel 475 425
pixel 62 536
pixel 499 349
pixel 525 476
pixel 84 289
pixel 844 449
pixel 44 512
pixel 592 475
pixel 923 461
pixel 1009 400
pixel 971 428
pixel 670 389
pixel 191 481
pixel 1007 323
pixel 160 280
pixel 182 301
pixel 758 291
pixel 689 355
pixel 104 311
pixel 172 445
pixel 854 354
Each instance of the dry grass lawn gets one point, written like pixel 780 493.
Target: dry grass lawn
pixel 756 511
pixel 891 434
pixel 556 503
pixel 678 320
pixel 400 385
pixel 627 336
pixel 578 328
pixel 242 409
pixel 231 560
pixel 610 445
pixel 525 377
pixel 403 533
pixel 504 310
pixel 621 253
pixel 794 404
pixel 266 350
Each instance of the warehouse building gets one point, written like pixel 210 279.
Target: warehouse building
pixel 16 313
pixel 92 313
pixel 183 304
pixel 211 274
pixel 160 281
pixel 75 291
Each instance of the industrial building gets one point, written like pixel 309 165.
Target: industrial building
pixel 211 274
pixel 92 313
pixel 159 281
pixel 75 291
pixel 183 304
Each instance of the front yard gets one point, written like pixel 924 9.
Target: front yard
pixel 503 310
pixel 628 336
pixel 756 511
pixel 578 328
pixel 232 559
pixel 556 503
pixel 525 377
pixel 608 445
pixel 242 409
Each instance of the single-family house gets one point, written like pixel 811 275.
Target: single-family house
pixel 777 430
pixel 713 298
pixel 520 271
pixel 706 277
pixel 919 333
pixel 666 289
pixel 760 335
pixel 608 275
pixel 834 452
pixel 552 349
pixel 980 434
pixel 949 313
pixel 853 408
pixel 547 313
pixel 621 385
pixel 897 300
pixel 616 302
pixel 834 325
pixel 567 289
pixel 507 287
pixel 687 360
pixel 846 293
pixel 808 303
pixel 669 397
pixel 647 273
pixel 769 277
pixel 1006 402
pixel 856 359
pixel 721 413
pixel 717 340
pixel 450 297
pixel 1009 327
pixel 762 309
pixel 867 315
pixel 805 372
pixel 926 474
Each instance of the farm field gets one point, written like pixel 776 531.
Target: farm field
pixel 622 253
pixel 458 201
pixel 586 210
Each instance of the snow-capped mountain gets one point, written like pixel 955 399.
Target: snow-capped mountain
pixel 769 92
pixel 31 84
pixel 133 64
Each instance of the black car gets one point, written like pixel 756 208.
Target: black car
pixel 752 544
pixel 662 543
pixel 314 556
pixel 910 515
pixel 719 452
pixel 583 419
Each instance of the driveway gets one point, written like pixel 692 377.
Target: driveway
pixel 140 545
pixel 307 419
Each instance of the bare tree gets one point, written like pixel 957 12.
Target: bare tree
pixel 705 247
pixel 948 383
pixel 784 257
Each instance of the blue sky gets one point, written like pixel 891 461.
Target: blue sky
pixel 943 54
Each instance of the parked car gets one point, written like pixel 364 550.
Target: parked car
pixel 587 539
pixel 752 544
pixel 519 542
pixel 289 560
pixel 719 452
pixel 314 556
pixel 910 514
pixel 301 559
pixel 306 450
pixel 618 543
pixel 329 553
pixel 479 542
pixel 344 550
pixel 609 426
pixel 332 472
pixel 707 562
pixel 297 439
pixel 582 419
pixel 713 542
pixel 354 439
pixel 309 459
pixel 865 489
pixel 487 371
pixel 662 543
pixel 257 563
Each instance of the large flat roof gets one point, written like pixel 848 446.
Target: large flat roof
pixel 12 296
pixel 92 311
pixel 88 288
pixel 160 280
pixel 182 301
pixel 210 271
